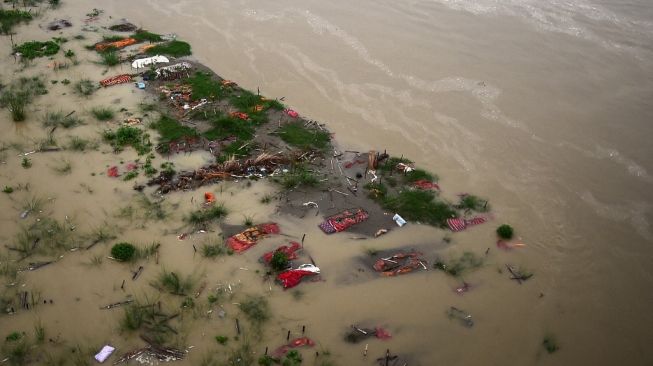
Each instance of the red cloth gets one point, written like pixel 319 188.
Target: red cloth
pixel 113 172
pixel 120 79
pixel 382 333
pixel 248 238
pixel 342 221
pixel 289 251
pixel 297 342
pixel 293 277
pixel 457 224
pixel 425 184
pixel 291 113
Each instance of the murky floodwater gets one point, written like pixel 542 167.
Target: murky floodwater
pixel 544 108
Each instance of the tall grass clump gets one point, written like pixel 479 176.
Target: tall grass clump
pixel 54 119
pixel 102 113
pixel 110 57
pixel 256 309
pixel 201 218
pixel 21 93
pixel 174 283
pixel 84 87
pixel 12 17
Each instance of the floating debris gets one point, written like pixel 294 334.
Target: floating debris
pixel 464 318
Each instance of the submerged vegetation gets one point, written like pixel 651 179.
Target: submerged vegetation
pixel 129 136
pixel 457 266
pixel 34 49
pixel 172 48
pixel 54 119
pixel 9 18
pixel 202 217
pixel 19 94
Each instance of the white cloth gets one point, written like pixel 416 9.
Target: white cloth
pixel 104 353
pixel 142 62
pixel 309 268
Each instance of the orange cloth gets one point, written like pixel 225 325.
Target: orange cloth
pixel 117 44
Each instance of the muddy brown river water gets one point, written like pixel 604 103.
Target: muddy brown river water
pixel 545 109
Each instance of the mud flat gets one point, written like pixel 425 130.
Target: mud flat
pixel 140 204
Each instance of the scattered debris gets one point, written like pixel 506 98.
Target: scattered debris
pixel 116 304
pixel 399 263
pixel 464 318
pixel 123 26
pixel 59 24
pixel 519 274
pixel 357 334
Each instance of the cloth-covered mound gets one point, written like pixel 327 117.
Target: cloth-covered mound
pixel 458 224
pixel 343 220
pixel 249 237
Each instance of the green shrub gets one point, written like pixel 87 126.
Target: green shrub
pixel 102 113
pixel 222 339
pixel 550 344
pixel 279 261
pixel 84 87
pixel 34 49
pixel 123 252
pixel 505 232
pixel 129 136
pixel 256 308
pixel 422 206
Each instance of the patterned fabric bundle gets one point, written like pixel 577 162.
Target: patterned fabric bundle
pixel 425 184
pixel 114 80
pixel 117 44
pixel 457 224
pixel 343 220
pixel 248 238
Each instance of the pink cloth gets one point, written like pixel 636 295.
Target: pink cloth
pixel 291 113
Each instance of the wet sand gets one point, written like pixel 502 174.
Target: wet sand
pixel 570 241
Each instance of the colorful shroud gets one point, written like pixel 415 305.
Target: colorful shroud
pixel 114 80
pixel 248 238
pixel 344 220
pixel 457 224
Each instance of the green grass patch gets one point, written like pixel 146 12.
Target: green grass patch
pixel 10 18
pixel 422 206
pixel 33 49
pixel 172 48
pixel 109 57
pixel 299 176
pixel 224 126
pixel 143 35
pixel 256 309
pixel 474 203
pixel 174 283
pixel 171 130
pixel 102 113
pixel 213 250
pixel 202 217
pixel 246 101
pixel 205 87
pixel 129 136
pixel 296 134
pixel 112 38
